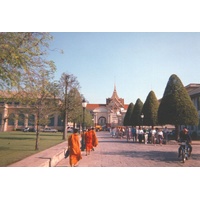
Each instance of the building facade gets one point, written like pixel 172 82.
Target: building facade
pixel 14 116
pixel 110 114
pixel 194 92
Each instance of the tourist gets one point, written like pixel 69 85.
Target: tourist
pixel 145 136
pixel 133 131
pixel 153 135
pixel 166 132
pixel 140 134
pixel 160 136
pixel 128 133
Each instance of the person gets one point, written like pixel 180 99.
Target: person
pixel 133 131
pixel 113 132
pixel 166 132
pixel 145 136
pixel 140 134
pixel 74 148
pixel 153 134
pixel 185 136
pixel 128 133
pixel 88 141
pixel 94 139
pixel 137 131
pixel 160 136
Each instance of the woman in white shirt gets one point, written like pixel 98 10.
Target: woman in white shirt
pixel 153 135
pixel 140 134
pixel 160 136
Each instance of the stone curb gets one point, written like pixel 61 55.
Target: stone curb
pixel 47 158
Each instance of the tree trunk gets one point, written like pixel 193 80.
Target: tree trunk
pixel 65 126
pixel 37 141
pixel 37 134
pixel 177 130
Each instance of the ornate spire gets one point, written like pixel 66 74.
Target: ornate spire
pixel 114 95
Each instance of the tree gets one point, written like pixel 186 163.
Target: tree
pixel 74 106
pixel 176 107
pixel 40 99
pixel 22 54
pixel 136 114
pixel 67 83
pixel 127 117
pixel 150 110
pixel 88 119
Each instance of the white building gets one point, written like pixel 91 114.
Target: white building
pixel 111 113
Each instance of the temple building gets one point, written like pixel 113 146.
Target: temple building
pixel 111 113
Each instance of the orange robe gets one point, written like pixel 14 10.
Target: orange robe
pixel 88 140
pixel 94 139
pixel 74 147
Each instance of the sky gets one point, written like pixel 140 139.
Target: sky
pixel 136 62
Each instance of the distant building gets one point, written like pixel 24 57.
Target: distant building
pixel 194 92
pixel 111 113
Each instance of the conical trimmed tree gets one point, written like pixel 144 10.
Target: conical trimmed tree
pixel 136 114
pixel 127 118
pixel 176 107
pixel 150 110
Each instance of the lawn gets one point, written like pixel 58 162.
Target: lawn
pixel 17 145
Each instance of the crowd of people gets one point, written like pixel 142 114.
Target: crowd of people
pixel 87 141
pixel 141 135
pixel 150 136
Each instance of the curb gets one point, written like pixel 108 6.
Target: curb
pixel 47 158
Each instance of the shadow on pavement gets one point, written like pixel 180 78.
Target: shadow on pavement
pixel 150 155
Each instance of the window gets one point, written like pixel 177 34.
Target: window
pixel 51 121
pixel 31 120
pixel 21 120
pixel 11 118
pixel 60 121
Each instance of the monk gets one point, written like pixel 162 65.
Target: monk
pixel 88 141
pixel 74 148
pixel 94 139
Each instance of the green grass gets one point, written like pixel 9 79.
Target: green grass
pixel 17 145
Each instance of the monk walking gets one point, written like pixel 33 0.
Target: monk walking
pixel 74 148
pixel 94 139
pixel 88 141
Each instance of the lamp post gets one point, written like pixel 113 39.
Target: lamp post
pixel 84 104
pixel 142 117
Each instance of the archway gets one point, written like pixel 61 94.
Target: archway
pixel 102 121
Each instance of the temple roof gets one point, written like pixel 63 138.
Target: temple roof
pixel 114 95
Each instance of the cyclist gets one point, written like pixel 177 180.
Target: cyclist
pixel 185 137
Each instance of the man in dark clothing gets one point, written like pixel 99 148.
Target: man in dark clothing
pixel 185 137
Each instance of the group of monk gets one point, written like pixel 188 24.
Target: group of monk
pixel 74 145
pixel 91 140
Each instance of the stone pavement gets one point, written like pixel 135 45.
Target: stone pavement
pixel 116 152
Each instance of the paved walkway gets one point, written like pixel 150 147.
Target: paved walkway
pixel 115 152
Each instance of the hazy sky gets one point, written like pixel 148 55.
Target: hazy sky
pixel 136 62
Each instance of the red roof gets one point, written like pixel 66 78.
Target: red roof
pixel 91 106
